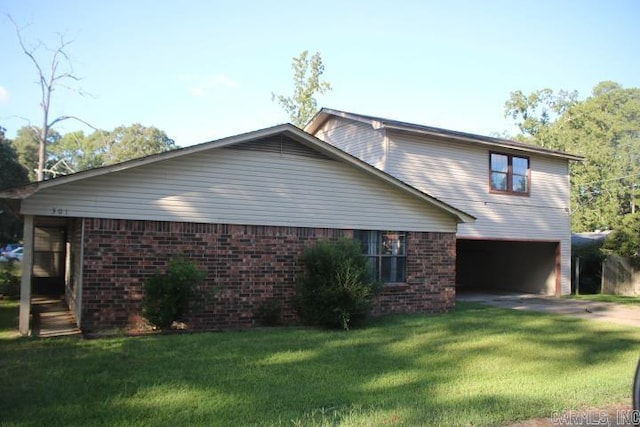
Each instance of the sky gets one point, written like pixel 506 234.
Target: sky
pixel 203 70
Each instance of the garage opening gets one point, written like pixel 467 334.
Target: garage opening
pixel 507 266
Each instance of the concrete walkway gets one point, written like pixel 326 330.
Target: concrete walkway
pixel 601 311
pixel 51 318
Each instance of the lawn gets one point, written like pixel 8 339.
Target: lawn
pixel 618 299
pixel 477 366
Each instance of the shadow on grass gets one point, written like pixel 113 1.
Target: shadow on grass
pixel 478 365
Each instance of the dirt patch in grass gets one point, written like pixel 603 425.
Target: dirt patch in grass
pixel 614 415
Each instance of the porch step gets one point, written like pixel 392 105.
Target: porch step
pixel 51 318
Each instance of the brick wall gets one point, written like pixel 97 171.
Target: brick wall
pixel 431 277
pixel 246 266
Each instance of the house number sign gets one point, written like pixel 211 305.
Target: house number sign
pixel 59 211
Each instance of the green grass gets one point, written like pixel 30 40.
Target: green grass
pixel 477 366
pixel 618 299
pixel 9 318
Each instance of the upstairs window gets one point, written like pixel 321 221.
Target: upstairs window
pixel 509 174
pixel 387 254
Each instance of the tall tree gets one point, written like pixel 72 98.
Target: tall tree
pixel 27 143
pixel 79 151
pixel 535 112
pixel 605 129
pixel 52 73
pixel 302 105
pixel 12 174
pixel 101 148
pixel 131 142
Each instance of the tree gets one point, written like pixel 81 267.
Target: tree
pixel 26 146
pixel 131 142
pixel 56 73
pixel 605 129
pixel 625 239
pixel 77 151
pixel 12 174
pixel 302 105
pixel 535 112
pixel 81 152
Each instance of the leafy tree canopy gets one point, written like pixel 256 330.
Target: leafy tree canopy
pixel 27 144
pixel 131 142
pixel 625 239
pixel 302 105
pixel 605 129
pixel 102 148
pixel 12 174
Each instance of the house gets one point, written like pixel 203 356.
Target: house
pixel 519 193
pixel 243 209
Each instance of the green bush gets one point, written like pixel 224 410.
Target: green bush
pixel 166 295
pixel 269 313
pixel 9 282
pixel 625 239
pixel 337 288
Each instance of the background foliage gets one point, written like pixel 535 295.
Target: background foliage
pixel 605 129
pixel 307 72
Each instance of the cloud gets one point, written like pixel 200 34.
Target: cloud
pixel 4 96
pixel 202 85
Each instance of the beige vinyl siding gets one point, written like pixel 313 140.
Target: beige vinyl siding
pixel 458 174
pixel 233 186
pixel 358 139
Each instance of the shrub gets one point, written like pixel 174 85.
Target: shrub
pixel 9 283
pixel 166 295
pixel 337 288
pixel 269 313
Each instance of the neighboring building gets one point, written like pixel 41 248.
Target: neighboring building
pixel 243 208
pixel 519 194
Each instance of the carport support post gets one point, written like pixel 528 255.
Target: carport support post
pixel 27 267
pixel 577 275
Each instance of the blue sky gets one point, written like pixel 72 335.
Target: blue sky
pixel 202 70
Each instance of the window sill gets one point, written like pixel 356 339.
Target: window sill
pixel 394 286
pixel 509 193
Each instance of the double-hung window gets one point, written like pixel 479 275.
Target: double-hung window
pixel 387 254
pixel 509 174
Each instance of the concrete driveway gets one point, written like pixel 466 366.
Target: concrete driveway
pixel 600 311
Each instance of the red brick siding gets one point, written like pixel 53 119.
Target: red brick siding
pixel 430 286
pixel 245 266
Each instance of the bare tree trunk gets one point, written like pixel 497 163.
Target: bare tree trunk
pixel 48 80
pixel 42 149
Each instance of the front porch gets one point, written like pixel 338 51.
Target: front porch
pixel 49 293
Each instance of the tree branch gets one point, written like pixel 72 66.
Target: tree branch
pixel 63 118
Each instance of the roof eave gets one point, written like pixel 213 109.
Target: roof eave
pixel 376 122
pixel 497 143
pixel 28 189
pixel 301 136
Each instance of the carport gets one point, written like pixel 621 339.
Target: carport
pixel 508 266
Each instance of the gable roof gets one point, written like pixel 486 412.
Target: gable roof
pixel 381 123
pixel 287 130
